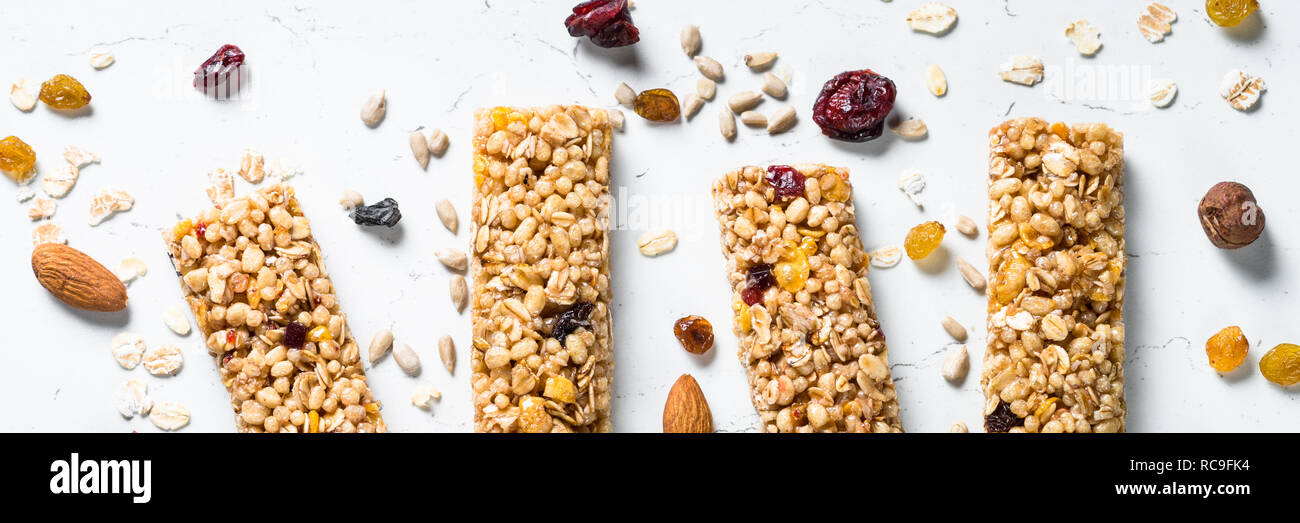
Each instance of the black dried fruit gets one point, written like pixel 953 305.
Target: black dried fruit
pixel 787 182
pixel 853 105
pixel 758 279
pixel 606 22
pixel 383 213
pixel 578 316
pixel 295 334
pixel 1001 420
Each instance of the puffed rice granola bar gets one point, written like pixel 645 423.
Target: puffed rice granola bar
pixel 255 280
pixel 811 345
pixel 540 269
pixel 1055 358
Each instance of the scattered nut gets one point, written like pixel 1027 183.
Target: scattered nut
pixel 744 101
pixel 958 428
pixel 1230 215
pixel 21 95
pixel 379 345
pixel 372 112
pixel 782 120
pixel 447 213
pixel 1084 36
pixel 886 257
pixel 133 399
pixel 954 329
pixel 131 268
pixel 1154 22
pixel 406 358
pixel 1162 92
pixel 690 40
pixel 177 320
pixel 966 226
pixel 709 67
pixel 753 119
pixel 624 94
pixel 459 292
pixel 706 88
pixel 127 349
pixel 955 364
pixel 58 183
pixel 686 410
pixel 42 208
pixel 163 360
pixel 691 106
pixel 910 129
pixel 1022 69
pixel 76 279
pixel 438 142
pixel 419 148
pixel 912 182
pixel 351 199
pixel 656 242
pixel 935 81
pixel 251 166
pixel 169 415
pixel 970 274
pixel 933 18
pixel 453 259
pixel 759 61
pixel 79 157
pixel 616 119
pixel 727 124
pixel 1241 89
pixel 101 58
pixel 774 86
pixel 447 351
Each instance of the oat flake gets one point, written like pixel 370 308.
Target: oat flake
pixel 1162 92
pixel 79 157
pixel 163 360
pixel 886 257
pixel 169 415
pixel 1241 89
pixel 24 193
pixel 48 233
pixel 58 183
pixel 912 182
pixel 132 399
pixel 933 18
pixel 108 201
pixel 127 349
pixel 130 268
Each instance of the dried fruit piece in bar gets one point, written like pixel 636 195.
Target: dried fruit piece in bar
pixel 1055 356
pixel 812 349
pixel 541 357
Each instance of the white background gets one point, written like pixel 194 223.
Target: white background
pixel 315 63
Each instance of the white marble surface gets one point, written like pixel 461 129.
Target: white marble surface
pixel 315 63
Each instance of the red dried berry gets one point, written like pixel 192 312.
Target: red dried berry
pixel 757 280
pixel 606 22
pixel 231 336
pixel 853 105
pixel 787 182
pixel 295 334
pixel 1001 420
pixel 216 70
pixel 201 228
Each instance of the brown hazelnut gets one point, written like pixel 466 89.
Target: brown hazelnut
pixel 1230 216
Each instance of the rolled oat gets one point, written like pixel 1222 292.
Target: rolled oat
pixel 128 348
pixel 169 415
pixel 132 399
pixel 163 360
pixel 657 241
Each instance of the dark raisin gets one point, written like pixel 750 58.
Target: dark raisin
pixel 295 334
pixel 757 280
pixel 853 105
pixel 1001 420
pixel 216 70
pixel 606 22
pixel 578 316
pixel 695 334
pixel 383 213
pixel 787 182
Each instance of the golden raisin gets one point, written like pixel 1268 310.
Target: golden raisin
pixel 319 333
pixel 1228 13
pixel 923 239
pixel 695 334
pixel 838 192
pixel 657 105
pixel 533 417
pixel 1010 278
pixel 559 388
pixel 793 269
pixel 1227 349
pixel 17 159
pixel 499 117
pixel 1282 364
pixel 743 319
pixel 64 92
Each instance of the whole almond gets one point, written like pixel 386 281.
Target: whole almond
pixel 76 279
pixel 686 411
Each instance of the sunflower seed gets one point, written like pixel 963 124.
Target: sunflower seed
pixel 966 226
pixel 933 18
pixel 744 101
pixel 656 242
pixel 727 124
pixel 420 148
pixel 910 129
pixel 1022 69
pixel 954 329
pixel 1084 36
pixel 955 364
pixel 690 40
pixel 958 428
pixel 706 88
pixel 447 351
pixel 177 321
pixel 406 358
pixel 438 142
pixel 782 120
pixel 453 259
pixel 459 292
pixel 935 81
pixel 691 106
pixel 1162 92
pixel 379 345
pixel 624 94
pixel 759 61
pixel 753 119
pixel 970 274
pixel 774 86
pixel 447 213
pixel 709 67
pixel 372 112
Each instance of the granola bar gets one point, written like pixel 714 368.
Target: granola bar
pixel 542 356
pixel 1055 358
pixel 812 348
pixel 255 280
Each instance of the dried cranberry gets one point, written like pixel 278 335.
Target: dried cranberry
pixel 295 334
pixel 231 336
pixel 787 182
pixel 606 22
pixel 216 70
pixel 853 105
pixel 579 315
pixel 201 228
pixel 757 280
pixel 1001 420
pixel 225 358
